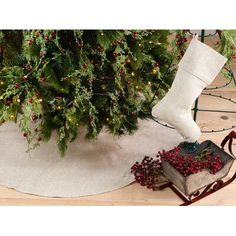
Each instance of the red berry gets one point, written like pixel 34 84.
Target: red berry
pixel 121 72
pixel 34 118
pixel 135 34
pixel 66 78
pixel 43 79
pixel 178 42
pixel 54 34
pixel 17 85
pixel 114 55
pixel 99 48
pixel 30 42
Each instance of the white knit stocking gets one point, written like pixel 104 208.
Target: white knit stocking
pixel 197 69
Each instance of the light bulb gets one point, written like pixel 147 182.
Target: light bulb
pixel 154 71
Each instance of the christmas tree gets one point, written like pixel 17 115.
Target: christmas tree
pixel 62 79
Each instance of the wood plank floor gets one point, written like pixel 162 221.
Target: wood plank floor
pixel 137 195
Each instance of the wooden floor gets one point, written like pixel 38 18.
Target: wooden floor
pixel 137 195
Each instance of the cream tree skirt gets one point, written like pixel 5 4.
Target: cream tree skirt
pixel 87 168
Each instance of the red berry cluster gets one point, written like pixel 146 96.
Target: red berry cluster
pixel 214 164
pixel 30 41
pixel 190 164
pixel 135 35
pixel 148 172
pixel 185 166
pixel 181 40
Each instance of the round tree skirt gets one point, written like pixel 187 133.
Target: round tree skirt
pixel 87 168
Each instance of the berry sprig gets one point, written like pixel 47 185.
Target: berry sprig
pixel 148 172
pixel 180 43
pixel 190 164
pixel 185 165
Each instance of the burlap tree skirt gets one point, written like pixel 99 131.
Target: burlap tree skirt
pixel 87 168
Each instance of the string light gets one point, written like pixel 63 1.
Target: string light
pixel 102 34
pixel 107 119
pixel 150 41
pixel 135 59
pixel 59 108
pixel 137 87
pixel 40 100
pixel 154 71
pixel 140 45
pixel 1 98
pixel 12 116
pixel 149 82
pixel 18 100
pixel 132 73
pixel 2 83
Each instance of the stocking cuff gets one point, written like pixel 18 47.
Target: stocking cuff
pixel 202 61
